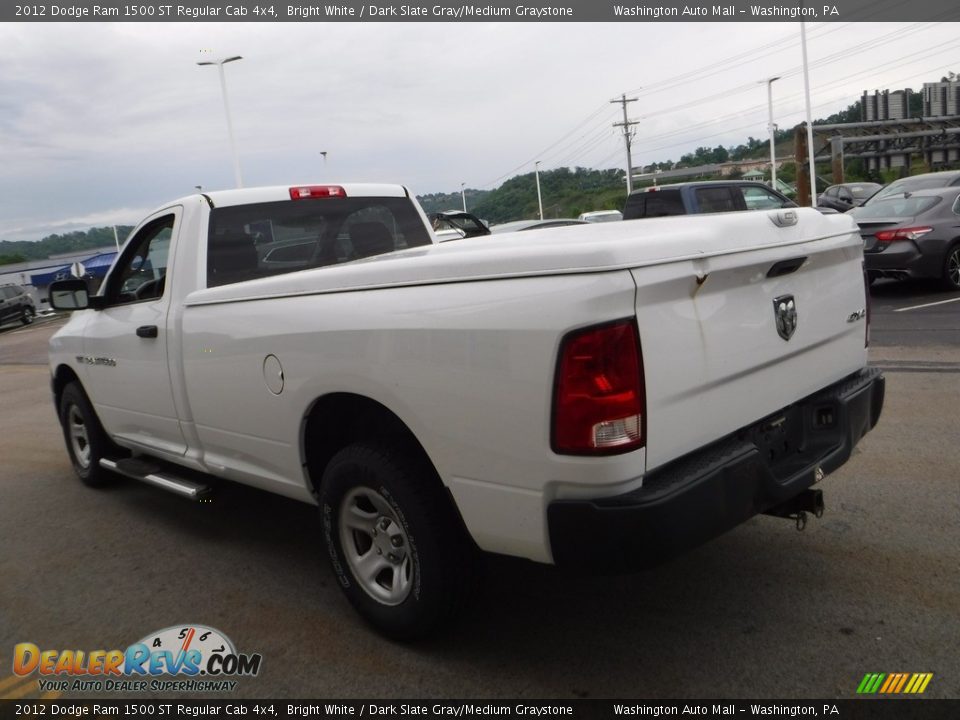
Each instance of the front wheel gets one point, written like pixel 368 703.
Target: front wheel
pixel 87 441
pixel 26 317
pixel 395 544
pixel 951 268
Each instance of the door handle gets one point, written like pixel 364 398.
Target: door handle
pixel 147 331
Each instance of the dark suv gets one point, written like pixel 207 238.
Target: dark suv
pixel 16 304
pixel 707 196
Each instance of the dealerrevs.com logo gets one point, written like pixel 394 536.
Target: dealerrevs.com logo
pixel 200 659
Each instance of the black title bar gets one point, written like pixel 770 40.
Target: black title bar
pixel 875 709
pixel 447 11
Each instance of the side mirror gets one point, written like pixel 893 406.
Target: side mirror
pixel 69 295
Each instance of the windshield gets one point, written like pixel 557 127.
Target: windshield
pixel 895 206
pixel 861 192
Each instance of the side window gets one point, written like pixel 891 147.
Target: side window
pixel 757 198
pixel 141 274
pixel 714 200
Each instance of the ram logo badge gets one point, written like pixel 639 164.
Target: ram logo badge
pixel 785 312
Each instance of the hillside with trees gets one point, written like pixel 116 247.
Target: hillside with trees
pixel 16 251
pixel 565 193
pixel 441 202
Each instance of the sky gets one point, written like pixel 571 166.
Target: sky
pixel 101 123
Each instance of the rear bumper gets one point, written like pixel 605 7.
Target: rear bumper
pixel 905 259
pixel 712 490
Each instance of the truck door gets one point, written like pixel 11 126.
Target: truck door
pixel 125 343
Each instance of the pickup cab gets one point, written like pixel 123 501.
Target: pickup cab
pixel 601 397
pixel 706 196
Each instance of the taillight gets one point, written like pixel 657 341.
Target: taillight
pixel 317 191
pixel 911 233
pixel 598 400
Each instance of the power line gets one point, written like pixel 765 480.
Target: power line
pixel 594 136
pixel 923 53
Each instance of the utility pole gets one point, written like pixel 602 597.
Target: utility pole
pixel 806 90
pixel 627 134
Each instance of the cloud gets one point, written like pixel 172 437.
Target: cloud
pixel 98 116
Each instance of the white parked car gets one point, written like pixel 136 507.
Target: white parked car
pixel 599 216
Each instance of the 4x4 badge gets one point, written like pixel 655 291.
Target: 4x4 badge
pixel 785 312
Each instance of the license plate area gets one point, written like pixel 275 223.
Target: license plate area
pixel 779 437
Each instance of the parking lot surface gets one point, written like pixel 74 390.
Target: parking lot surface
pixel 764 611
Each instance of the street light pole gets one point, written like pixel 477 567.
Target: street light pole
pixel 536 169
pixel 463 196
pixel 324 153
pixel 226 109
pixel 773 131
pixel 806 90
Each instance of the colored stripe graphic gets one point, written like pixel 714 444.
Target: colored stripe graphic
pixel 870 683
pixel 894 683
pixel 903 679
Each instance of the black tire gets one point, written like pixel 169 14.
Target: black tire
pixel 951 268
pixel 26 316
pixel 86 440
pixel 379 502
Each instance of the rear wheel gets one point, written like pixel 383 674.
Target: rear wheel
pixel 951 268
pixel 395 544
pixel 86 440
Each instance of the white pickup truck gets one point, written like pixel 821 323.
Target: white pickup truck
pixel 599 396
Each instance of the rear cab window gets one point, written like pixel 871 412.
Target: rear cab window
pixel 653 203
pixel 246 242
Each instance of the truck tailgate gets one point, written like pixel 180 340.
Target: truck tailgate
pixel 714 360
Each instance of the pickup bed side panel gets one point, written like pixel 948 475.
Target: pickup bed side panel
pixel 468 367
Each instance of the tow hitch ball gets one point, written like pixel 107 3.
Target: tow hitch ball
pixel 796 508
